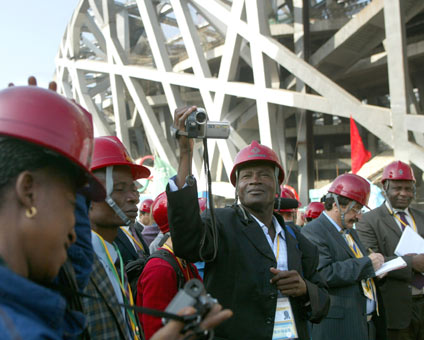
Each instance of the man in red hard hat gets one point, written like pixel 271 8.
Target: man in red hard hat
pixel 113 246
pixel 345 264
pixel 380 230
pixel 145 222
pixel 289 215
pixel 145 217
pixel 255 265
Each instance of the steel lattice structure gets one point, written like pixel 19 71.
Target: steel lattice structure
pixel 132 63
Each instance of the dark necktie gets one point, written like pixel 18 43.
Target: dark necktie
pixel 402 216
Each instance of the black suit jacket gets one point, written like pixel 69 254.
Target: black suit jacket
pixel 239 276
pixel 126 248
pixel 378 230
pixel 347 318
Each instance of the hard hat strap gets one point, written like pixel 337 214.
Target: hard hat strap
pixel 109 189
pixel 236 191
pixel 343 213
pixel 278 191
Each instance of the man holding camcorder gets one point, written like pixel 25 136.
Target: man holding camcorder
pixel 261 269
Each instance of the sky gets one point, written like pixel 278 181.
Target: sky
pixel 30 34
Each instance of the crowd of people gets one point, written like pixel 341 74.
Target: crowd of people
pixel 82 258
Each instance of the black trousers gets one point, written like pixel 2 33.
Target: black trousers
pixel 415 331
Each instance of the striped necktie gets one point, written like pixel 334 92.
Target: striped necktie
pixel 368 285
pixel 402 216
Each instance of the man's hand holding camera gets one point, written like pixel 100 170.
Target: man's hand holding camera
pixel 185 144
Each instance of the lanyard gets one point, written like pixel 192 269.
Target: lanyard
pixel 414 226
pixel 278 247
pixel 121 282
pixel 368 285
pixel 133 238
pixel 187 272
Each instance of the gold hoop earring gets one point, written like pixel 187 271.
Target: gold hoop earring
pixel 31 212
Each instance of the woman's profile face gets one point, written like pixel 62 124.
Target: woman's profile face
pixel 51 231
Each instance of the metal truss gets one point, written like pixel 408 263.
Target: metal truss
pixel 132 63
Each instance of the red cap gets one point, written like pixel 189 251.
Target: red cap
pixel 353 187
pixel 109 150
pixel 398 171
pixel 253 153
pixel 314 209
pixel 146 205
pixel 47 119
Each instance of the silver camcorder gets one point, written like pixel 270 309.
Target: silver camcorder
pixel 193 294
pixel 198 126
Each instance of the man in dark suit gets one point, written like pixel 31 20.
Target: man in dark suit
pixel 380 230
pixel 255 265
pixel 344 264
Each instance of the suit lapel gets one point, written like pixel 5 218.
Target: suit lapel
pixel 294 255
pixel 105 289
pixel 257 237
pixel 126 242
pixel 338 238
pixel 389 220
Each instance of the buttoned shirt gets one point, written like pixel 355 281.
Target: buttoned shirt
pixel 278 245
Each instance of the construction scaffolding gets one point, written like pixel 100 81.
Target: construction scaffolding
pixel 289 73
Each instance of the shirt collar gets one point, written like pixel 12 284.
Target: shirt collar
pixel 406 211
pixel 277 226
pixel 332 221
pixel 99 249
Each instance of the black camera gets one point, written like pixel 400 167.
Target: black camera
pixel 193 294
pixel 198 126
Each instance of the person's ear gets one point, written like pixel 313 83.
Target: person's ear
pixel 25 189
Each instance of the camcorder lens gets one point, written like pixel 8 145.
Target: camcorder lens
pixel 201 117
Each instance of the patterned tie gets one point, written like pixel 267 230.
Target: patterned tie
pixel 368 285
pixel 402 216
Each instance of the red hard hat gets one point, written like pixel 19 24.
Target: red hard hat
pixel 398 171
pixel 160 212
pixel 351 186
pixel 146 205
pixel 45 118
pixel 314 209
pixel 287 193
pixel 109 150
pixel 256 152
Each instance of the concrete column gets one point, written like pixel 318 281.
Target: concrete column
pixel 305 177
pixel 397 63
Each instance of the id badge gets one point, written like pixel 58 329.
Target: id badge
pixel 284 325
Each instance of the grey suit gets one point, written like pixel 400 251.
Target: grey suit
pixel 379 231
pixel 343 272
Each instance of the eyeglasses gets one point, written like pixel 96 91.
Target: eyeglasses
pixel 357 210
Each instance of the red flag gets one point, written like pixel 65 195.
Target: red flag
pixel 358 154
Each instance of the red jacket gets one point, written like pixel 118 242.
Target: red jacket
pixel 156 287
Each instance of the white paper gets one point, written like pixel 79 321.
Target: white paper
pixel 394 264
pixel 409 243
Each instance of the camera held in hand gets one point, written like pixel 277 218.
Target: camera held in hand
pixel 198 126
pixel 193 294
